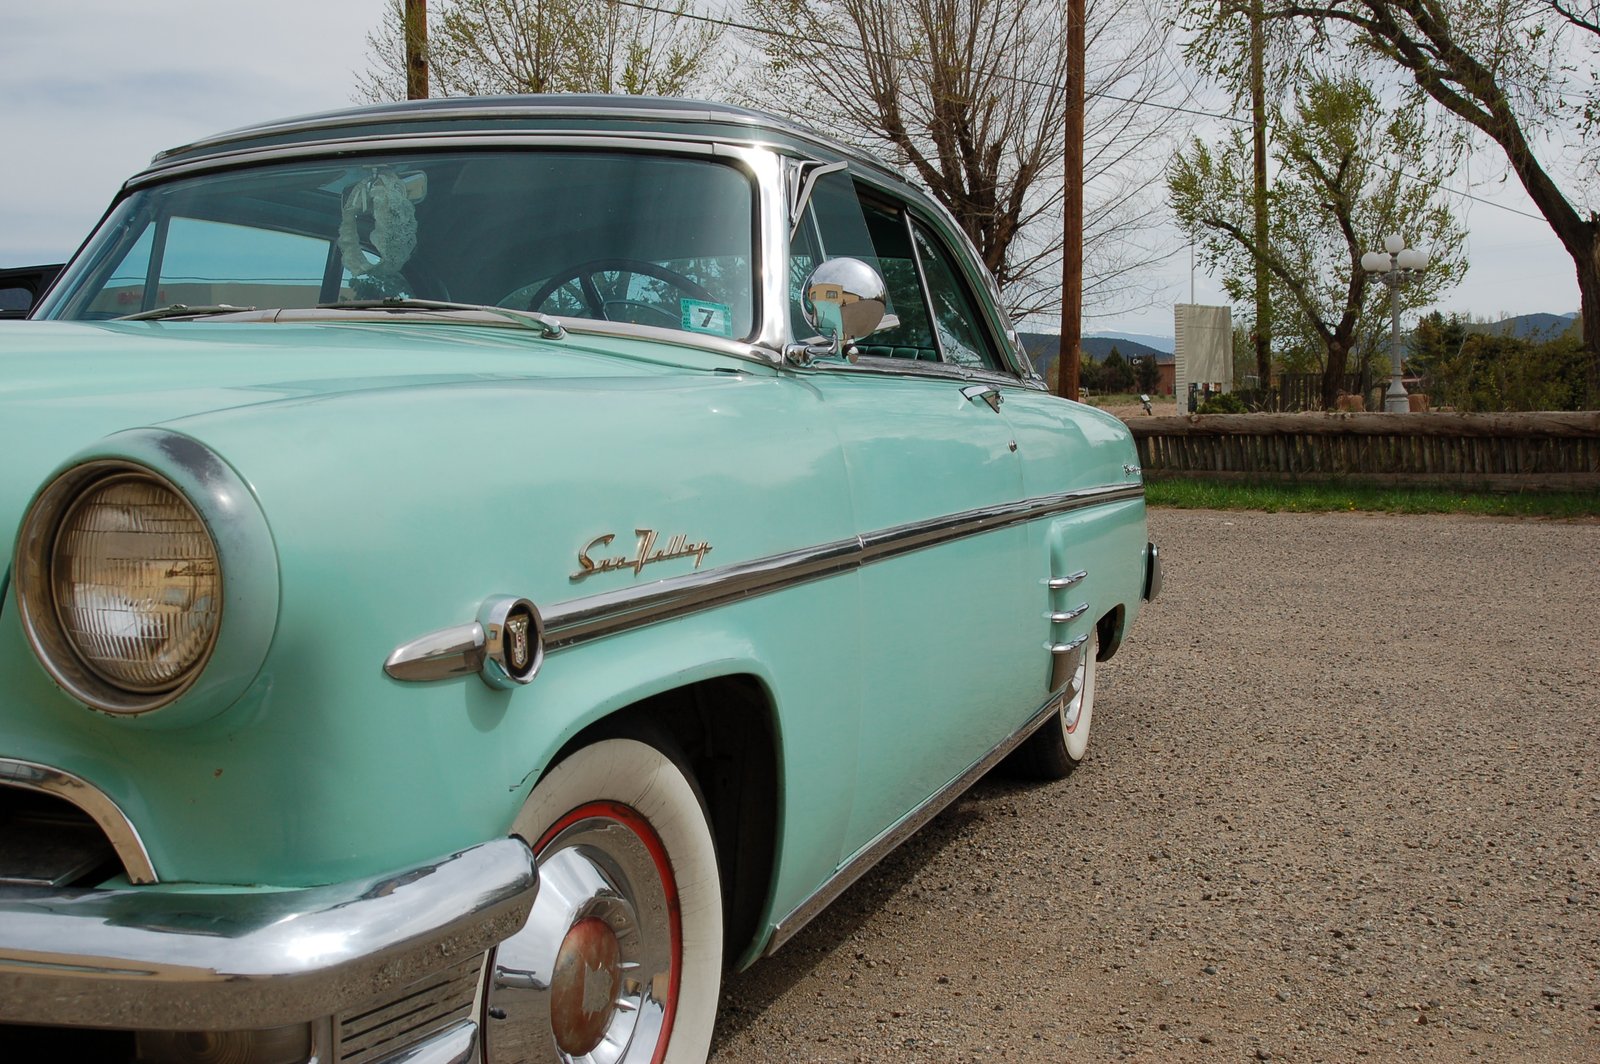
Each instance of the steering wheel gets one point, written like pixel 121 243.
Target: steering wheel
pixel 584 274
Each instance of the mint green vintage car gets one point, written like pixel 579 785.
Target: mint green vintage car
pixel 479 569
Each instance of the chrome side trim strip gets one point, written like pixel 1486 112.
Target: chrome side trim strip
pixel 893 836
pixel 227 959
pixel 580 620
pixel 504 646
pixel 608 613
pixel 124 837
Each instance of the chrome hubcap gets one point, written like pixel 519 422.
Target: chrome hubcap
pixel 591 977
pixel 585 988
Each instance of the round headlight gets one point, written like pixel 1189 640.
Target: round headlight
pixel 120 586
pixel 136 585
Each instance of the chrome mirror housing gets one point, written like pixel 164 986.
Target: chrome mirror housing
pixel 845 299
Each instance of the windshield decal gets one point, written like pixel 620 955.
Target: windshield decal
pixel 702 317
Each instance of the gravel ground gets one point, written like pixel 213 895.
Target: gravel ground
pixel 1341 803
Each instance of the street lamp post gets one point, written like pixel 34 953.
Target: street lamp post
pixel 1395 265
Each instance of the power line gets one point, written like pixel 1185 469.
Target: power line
pixel 1442 187
pixel 862 50
pixel 1040 83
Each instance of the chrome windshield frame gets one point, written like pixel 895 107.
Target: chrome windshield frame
pixel 761 164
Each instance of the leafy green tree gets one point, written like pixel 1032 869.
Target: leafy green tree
pixel 1116 374
pixel 1146 374
pixel 1475 368
pixel 485 47
pixel 1523 74
pixel 1338 190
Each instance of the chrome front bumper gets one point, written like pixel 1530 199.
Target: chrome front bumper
pixel 1152 571
pixel 153 958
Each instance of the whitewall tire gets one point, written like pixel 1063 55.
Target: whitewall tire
pixel 620 961
pixel 1062 742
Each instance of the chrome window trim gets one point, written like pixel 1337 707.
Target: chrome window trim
pixel 609 613
pixel 891 837
pixel 99 806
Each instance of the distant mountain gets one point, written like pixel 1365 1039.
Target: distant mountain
pixel 1527 326
pixel 1044 348
pixel 1160 343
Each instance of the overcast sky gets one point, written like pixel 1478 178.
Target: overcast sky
pixel 94 88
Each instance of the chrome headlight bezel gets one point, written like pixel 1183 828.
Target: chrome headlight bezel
pixel 247 580
pixel 43 610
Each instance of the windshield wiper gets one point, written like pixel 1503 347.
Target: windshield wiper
pixel 547 326
pixel 179 310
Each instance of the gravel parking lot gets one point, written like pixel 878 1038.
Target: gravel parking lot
pixel 1341 802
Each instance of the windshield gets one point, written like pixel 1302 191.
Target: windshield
pixel 647 239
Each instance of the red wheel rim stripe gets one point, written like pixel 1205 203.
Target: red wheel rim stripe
pixel 629 818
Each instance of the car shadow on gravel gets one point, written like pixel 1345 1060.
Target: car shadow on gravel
pixel 747 995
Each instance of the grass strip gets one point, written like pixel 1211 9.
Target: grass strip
pixel 1187 494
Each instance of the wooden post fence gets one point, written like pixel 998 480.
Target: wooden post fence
pixel 1501 452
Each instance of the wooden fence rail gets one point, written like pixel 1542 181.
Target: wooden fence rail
pixel 1542 451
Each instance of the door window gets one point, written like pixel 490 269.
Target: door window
pixel 939 320
pixel 962 337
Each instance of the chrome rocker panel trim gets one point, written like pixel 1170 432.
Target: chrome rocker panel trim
pixel 124 837
pixel 155 959
pixel 887 841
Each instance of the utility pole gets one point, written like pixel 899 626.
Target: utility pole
pixel 1258 129
pixel 416 34
pixel 1068 362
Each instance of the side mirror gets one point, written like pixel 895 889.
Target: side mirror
pixel 844 300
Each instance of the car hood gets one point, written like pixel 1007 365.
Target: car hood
pixel 64 385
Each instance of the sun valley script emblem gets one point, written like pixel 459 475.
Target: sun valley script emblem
pixel 645 553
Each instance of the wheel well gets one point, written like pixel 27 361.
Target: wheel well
pixel 1111 628
pixel 722 731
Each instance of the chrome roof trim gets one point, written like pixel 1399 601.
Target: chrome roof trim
pixel 563 107
pixel 609 613
pixel 124 837
pixel 435 140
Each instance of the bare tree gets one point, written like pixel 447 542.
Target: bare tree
pixel 970 96
pixel 1336 195
pixel 1510 70
pixel 481 47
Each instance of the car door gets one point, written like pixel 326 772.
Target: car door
pixel 950 667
